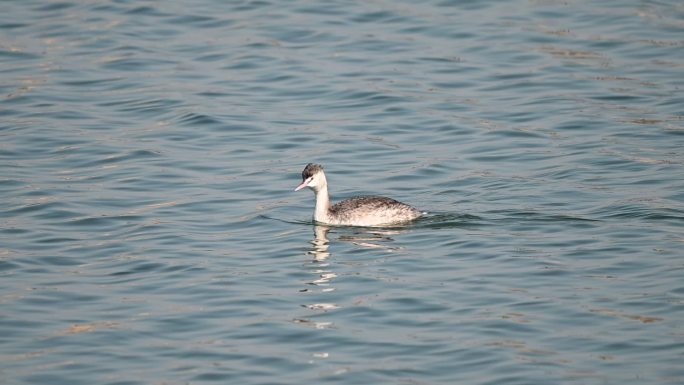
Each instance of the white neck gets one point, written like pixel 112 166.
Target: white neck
pixel 321 213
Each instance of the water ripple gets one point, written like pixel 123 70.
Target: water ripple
pixel 149 232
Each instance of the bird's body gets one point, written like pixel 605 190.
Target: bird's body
pixel 357 211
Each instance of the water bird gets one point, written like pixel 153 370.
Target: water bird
pixel 356 211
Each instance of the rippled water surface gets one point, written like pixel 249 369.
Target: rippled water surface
pixel 149 233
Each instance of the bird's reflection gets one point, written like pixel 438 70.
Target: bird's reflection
pixel 320 251
pixel 366 238
pixel 321 266
pixel 320 243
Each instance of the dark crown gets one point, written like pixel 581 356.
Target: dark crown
pixel 310 170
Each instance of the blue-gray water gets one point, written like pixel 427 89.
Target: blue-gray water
pixel 149 233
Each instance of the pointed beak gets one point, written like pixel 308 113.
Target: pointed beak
pixel 301 186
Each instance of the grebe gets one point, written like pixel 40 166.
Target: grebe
pixel 357 211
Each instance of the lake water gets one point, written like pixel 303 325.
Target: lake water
pixel 149 233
